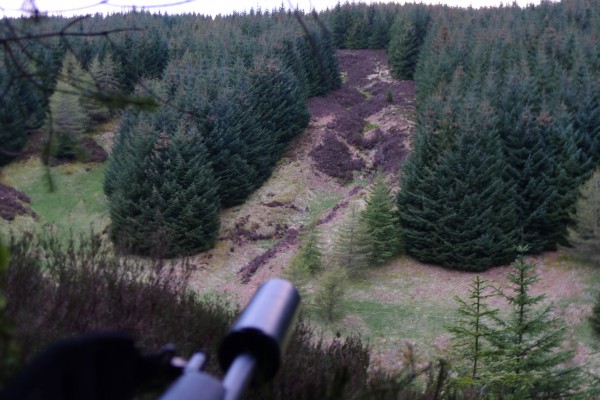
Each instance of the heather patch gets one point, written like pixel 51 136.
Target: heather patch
pixel 333 157
pixel 12 203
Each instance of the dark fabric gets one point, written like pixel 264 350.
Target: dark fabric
pixel 91 367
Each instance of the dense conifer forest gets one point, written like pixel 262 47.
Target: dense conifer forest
pixel 508 122
pixel 502 165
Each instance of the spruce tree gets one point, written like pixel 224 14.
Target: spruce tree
pixel 380 33
pixel 403 50
pixel 310 255
pixel 70 107
pixel 527 359
pixel 471 331
pixel 163 198
pixel 595 317
pixel 352 249
pixel 544 164
pixel 380 223
pixel 126 153
pixel 13 135
pixel 228 151
pixel 585 108
pixel 585 234
pixel 357 36
pixel 279 103
pixel 67 102
pixel 107 87
pixel 68 116
pixel 332 286
pixel 455 207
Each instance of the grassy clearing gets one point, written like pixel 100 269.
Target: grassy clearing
pixel 416 322
pixel 78 202
pixel 390 305
pixel 408 301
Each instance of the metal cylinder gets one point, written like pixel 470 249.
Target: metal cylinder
pixel 263 329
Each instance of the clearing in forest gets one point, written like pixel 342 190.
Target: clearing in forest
pixel 354 132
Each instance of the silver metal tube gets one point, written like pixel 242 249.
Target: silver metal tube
pixel 238 376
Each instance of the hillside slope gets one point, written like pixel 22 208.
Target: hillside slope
pixel 353 132
pixel 404 304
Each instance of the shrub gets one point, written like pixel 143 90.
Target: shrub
pixel 595 317
pixel 330 293
pixel 333 158
pixel 55 290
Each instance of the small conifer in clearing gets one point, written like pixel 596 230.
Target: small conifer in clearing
pixel 380 223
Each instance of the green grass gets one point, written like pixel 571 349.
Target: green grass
pixel 584 334
pixel 77 203
pixel 344 76
pixel 267 244
pixel 422 322
pixel 323 202
pixel 366 94
pixel 369 127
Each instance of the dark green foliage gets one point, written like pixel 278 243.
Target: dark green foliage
pixel 362 26
pixel 584 104
pixel 162 194
pixel 279 103
pixel 352 248
pixel 380 31
pixel 595 317
pixel 536 75
pixel 13 135
pixel 340 19
pixel 455 209
pixel 140 55
pixel 407 35
pixel 380 223
pixel 104 74
pixel 403 50
pixel 310 256
pixel 471 331
pixel 389 96
pixel 357 36
pixel 240 86
pixel 539 152
pixel 585 234
pixel 518 355
pixel 228 144
pixel 25 85
pixel 330 293
pixel 527 359
pixel 68 120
